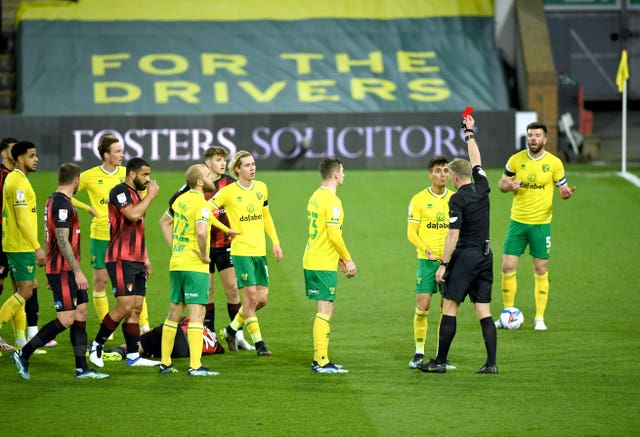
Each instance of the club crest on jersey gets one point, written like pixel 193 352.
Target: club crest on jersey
pixel 63 215
pixel 545 167
pixel 259 195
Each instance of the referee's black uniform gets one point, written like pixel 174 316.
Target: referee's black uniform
pixel 470 270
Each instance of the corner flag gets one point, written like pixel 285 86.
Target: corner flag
pixel 623 71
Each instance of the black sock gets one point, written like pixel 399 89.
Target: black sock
pixel 31 308
pixel 232 310
pixel 78 336
pixel 131 333
pixel 448 325
pixel 44 336
pixel 210 316
pixel 107 327
pixel 490 339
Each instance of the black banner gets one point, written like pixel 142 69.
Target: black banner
pixel 277 141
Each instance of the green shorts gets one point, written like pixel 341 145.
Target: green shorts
pixel 189 287
pixel 22 265
pixel 538 237
pixel 98 249
pixel 426 277
pixel 321 284
pixel 251 270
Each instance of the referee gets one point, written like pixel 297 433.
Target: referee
pixel 467 262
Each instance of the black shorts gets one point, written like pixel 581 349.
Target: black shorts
pixel 151 342
pixel 129 278
pixel 220 258
pixel 66 296
pixel 4 265
pixel 470 272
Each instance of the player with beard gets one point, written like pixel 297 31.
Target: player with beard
pixel 531 174
pixel 127 261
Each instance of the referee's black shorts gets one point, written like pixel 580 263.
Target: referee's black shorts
pixel 470 272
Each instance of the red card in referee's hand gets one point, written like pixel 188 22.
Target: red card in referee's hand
pixel 467 111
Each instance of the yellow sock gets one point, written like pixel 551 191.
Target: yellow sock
pixel 144 316
pixel 238 321
pixel 101 303
pixel 253 327
pixel 509 287
pixel 321 331
pixel 194 334
pixel 541 284
pixel 169 329
pixel 20 321
pixel 10 307
pixel 420 327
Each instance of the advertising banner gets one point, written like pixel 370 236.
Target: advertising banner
pixel 277 141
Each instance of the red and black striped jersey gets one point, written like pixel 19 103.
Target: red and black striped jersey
pixel 127 238
pixel 218 238
pixel 59 213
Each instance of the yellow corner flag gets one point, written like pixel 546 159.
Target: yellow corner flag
pixel 623 71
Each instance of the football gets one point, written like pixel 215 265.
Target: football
pixel 511 318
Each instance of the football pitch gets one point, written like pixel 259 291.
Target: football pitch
pixel 581 377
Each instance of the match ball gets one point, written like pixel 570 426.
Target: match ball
pixel 511 318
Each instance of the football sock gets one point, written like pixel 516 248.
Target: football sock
pixel 194 335
pixel 253 328
pixel 490 336
pixel 169 330
pixel 107 327
pixel 420 327
pixel 78 337
pixel 100 303
pixel 31 308
pixel 45 335
pixel 131 333
pixel 31 331
pixel 238 321
pixel 541 284
pixel 321 331
pixel 232 310
pixel 448 325
pixel 509 288
pixel 20 321
pixel 210 316
pixel 143 322
pixel 10 307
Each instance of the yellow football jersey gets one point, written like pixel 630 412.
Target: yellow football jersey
pixel 189 209
pixel 533 201
pixel 98 184
pixel 18 194
pixel 323 210
pixel 244 208
pixel 431 213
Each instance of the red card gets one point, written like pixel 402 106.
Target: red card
pixel 467 111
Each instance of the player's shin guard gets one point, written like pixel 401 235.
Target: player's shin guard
pixel 194 335
pixel 32 309
pixel 100 303
pixel 321 332
pixel 541 284
pixel 210 316
pixel 131 332
pixel 169 330
pixel 509 288
pixel 420 327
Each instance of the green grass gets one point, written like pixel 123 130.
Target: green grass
pixel 580 378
